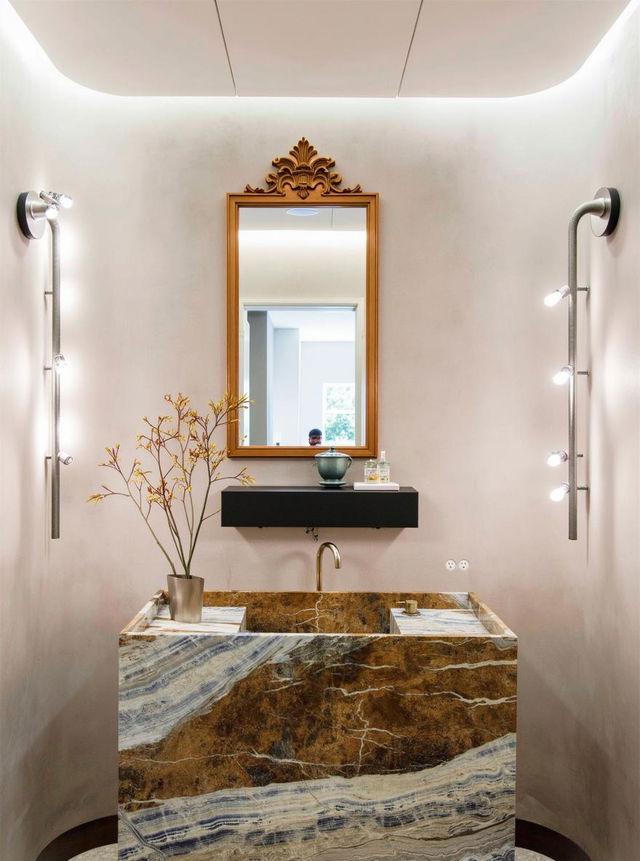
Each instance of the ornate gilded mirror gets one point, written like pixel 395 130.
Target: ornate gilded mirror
pixel 302 307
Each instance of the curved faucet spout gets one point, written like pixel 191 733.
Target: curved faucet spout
pixel 337 561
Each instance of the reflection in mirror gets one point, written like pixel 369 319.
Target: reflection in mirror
pixel 302 278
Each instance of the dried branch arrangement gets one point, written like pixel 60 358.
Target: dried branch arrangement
pixel 181 465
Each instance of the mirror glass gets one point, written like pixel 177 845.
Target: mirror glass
pixel 302 323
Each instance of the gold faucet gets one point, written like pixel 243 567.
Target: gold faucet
pixel 336 561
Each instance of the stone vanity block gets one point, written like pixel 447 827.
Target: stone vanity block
pixel 295 725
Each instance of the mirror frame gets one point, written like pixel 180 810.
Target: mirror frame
pixel 303 179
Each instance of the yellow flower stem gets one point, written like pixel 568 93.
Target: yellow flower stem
pixel 201 518
pixel 173 529
pixel 183 450
pixel 166 439
pixel 157 540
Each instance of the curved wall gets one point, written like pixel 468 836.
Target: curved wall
pixel 475 198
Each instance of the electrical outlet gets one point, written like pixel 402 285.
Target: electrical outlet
pixel 463 564
pixel 450 564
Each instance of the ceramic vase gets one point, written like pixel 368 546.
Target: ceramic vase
pixel 332 466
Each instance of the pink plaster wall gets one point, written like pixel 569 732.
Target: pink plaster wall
pixel 475 198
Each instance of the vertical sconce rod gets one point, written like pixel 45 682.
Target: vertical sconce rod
pixel 34 211
pixel 605 205
pixel 55 351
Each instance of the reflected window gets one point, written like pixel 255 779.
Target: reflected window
pixel 339 413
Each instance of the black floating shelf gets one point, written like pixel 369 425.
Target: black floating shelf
pixel 319 506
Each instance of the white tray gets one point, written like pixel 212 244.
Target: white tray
pixel 375 485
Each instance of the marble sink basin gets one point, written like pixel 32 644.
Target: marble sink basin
pixel 295 725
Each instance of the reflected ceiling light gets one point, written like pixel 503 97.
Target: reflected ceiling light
pixel 559 493
pixel 555 458
pixel 552 299
pixel 302 211
pixel 563 375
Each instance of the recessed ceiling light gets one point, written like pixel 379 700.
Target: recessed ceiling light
pixel 302 210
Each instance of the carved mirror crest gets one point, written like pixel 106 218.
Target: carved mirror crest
pixel 302 303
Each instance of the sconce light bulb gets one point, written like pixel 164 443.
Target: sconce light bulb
pixel 60 364
pixel 552 299
pixel 57 198
pixel 555 458
pixel 559 493
pixel 563 375
pixel 65 458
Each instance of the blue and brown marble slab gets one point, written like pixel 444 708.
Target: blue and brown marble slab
pixel 215 620
pixel 317 734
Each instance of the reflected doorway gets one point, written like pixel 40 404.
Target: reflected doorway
pixel 302 369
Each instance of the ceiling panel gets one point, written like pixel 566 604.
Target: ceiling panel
pixel 133 47
pixel 318 47
pixel 474 48
pixel 330 48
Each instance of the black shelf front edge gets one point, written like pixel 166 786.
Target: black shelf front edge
pixel 319 506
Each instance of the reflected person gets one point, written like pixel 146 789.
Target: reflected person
pixel 315 436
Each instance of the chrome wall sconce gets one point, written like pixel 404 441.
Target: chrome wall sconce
pixel 34 212
pixel 604 210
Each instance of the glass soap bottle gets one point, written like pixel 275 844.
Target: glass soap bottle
pixel 384 468
pixel 371 470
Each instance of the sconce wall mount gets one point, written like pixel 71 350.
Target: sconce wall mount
pixel 32 214
pixel 603 224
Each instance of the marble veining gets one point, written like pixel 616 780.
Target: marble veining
pixel 331 612
pixel 110 853
pixel 215 620
pixel 356 744
pixel 463 622
pixel 443 809
pixel 163 681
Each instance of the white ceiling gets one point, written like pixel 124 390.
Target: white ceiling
pixel 316 324
pixel 366 48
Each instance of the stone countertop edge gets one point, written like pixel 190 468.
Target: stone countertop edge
pixel 494 626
